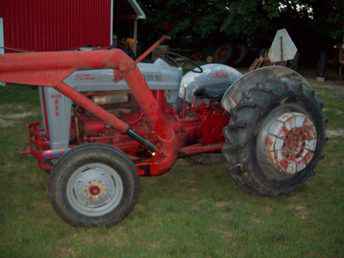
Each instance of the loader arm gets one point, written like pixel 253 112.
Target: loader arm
pixel 50 69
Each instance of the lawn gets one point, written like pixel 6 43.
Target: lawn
pixel 194 211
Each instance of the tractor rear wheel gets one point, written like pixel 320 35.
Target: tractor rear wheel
pixel 275 138
pixel 93 185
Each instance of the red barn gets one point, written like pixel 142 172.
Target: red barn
pixel 43 25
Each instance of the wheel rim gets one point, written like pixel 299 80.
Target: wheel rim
pixel 290 142
pixel 94 189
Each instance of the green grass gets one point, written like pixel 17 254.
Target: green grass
pixel 194 211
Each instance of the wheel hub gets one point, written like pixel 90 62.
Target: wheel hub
pixel 95 189
pixel 291 141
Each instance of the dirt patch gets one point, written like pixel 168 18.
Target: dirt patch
pixel 335 85
pixel 268 210
pixel 335 133
pixel 14 108
pixel 194 189
pixel 63 252
pixel 336 111
pixel 256 220
pixel 207 159
pixel 18 116
pixel 300 211
pixel 227 235
pixel 221 204
pixel 6 124
pixel 10 120
pixel 330 85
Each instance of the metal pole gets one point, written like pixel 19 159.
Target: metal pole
pixel 135 37
pixel 111 22
pixel 282 50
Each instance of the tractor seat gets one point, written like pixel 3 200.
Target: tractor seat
pixel 211 84
pixel 212 92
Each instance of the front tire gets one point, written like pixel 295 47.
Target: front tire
pixel 93 185
pixel 275 138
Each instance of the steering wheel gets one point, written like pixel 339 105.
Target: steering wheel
pixel 180 60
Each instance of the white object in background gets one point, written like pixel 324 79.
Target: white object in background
pixel 2 50
pixel 282 48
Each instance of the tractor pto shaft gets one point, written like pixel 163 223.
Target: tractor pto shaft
pixel 151 147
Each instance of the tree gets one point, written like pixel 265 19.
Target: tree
pixel 185 16
pixel 246 20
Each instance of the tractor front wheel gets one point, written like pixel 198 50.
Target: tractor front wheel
pixel 275 138
pixel 93 185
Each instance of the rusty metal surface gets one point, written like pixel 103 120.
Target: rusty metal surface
pixel 290 142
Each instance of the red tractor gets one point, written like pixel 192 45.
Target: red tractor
pixel 107 119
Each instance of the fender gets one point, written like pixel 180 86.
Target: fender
pixel 234 93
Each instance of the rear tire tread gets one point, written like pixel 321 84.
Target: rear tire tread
pixel 238 138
